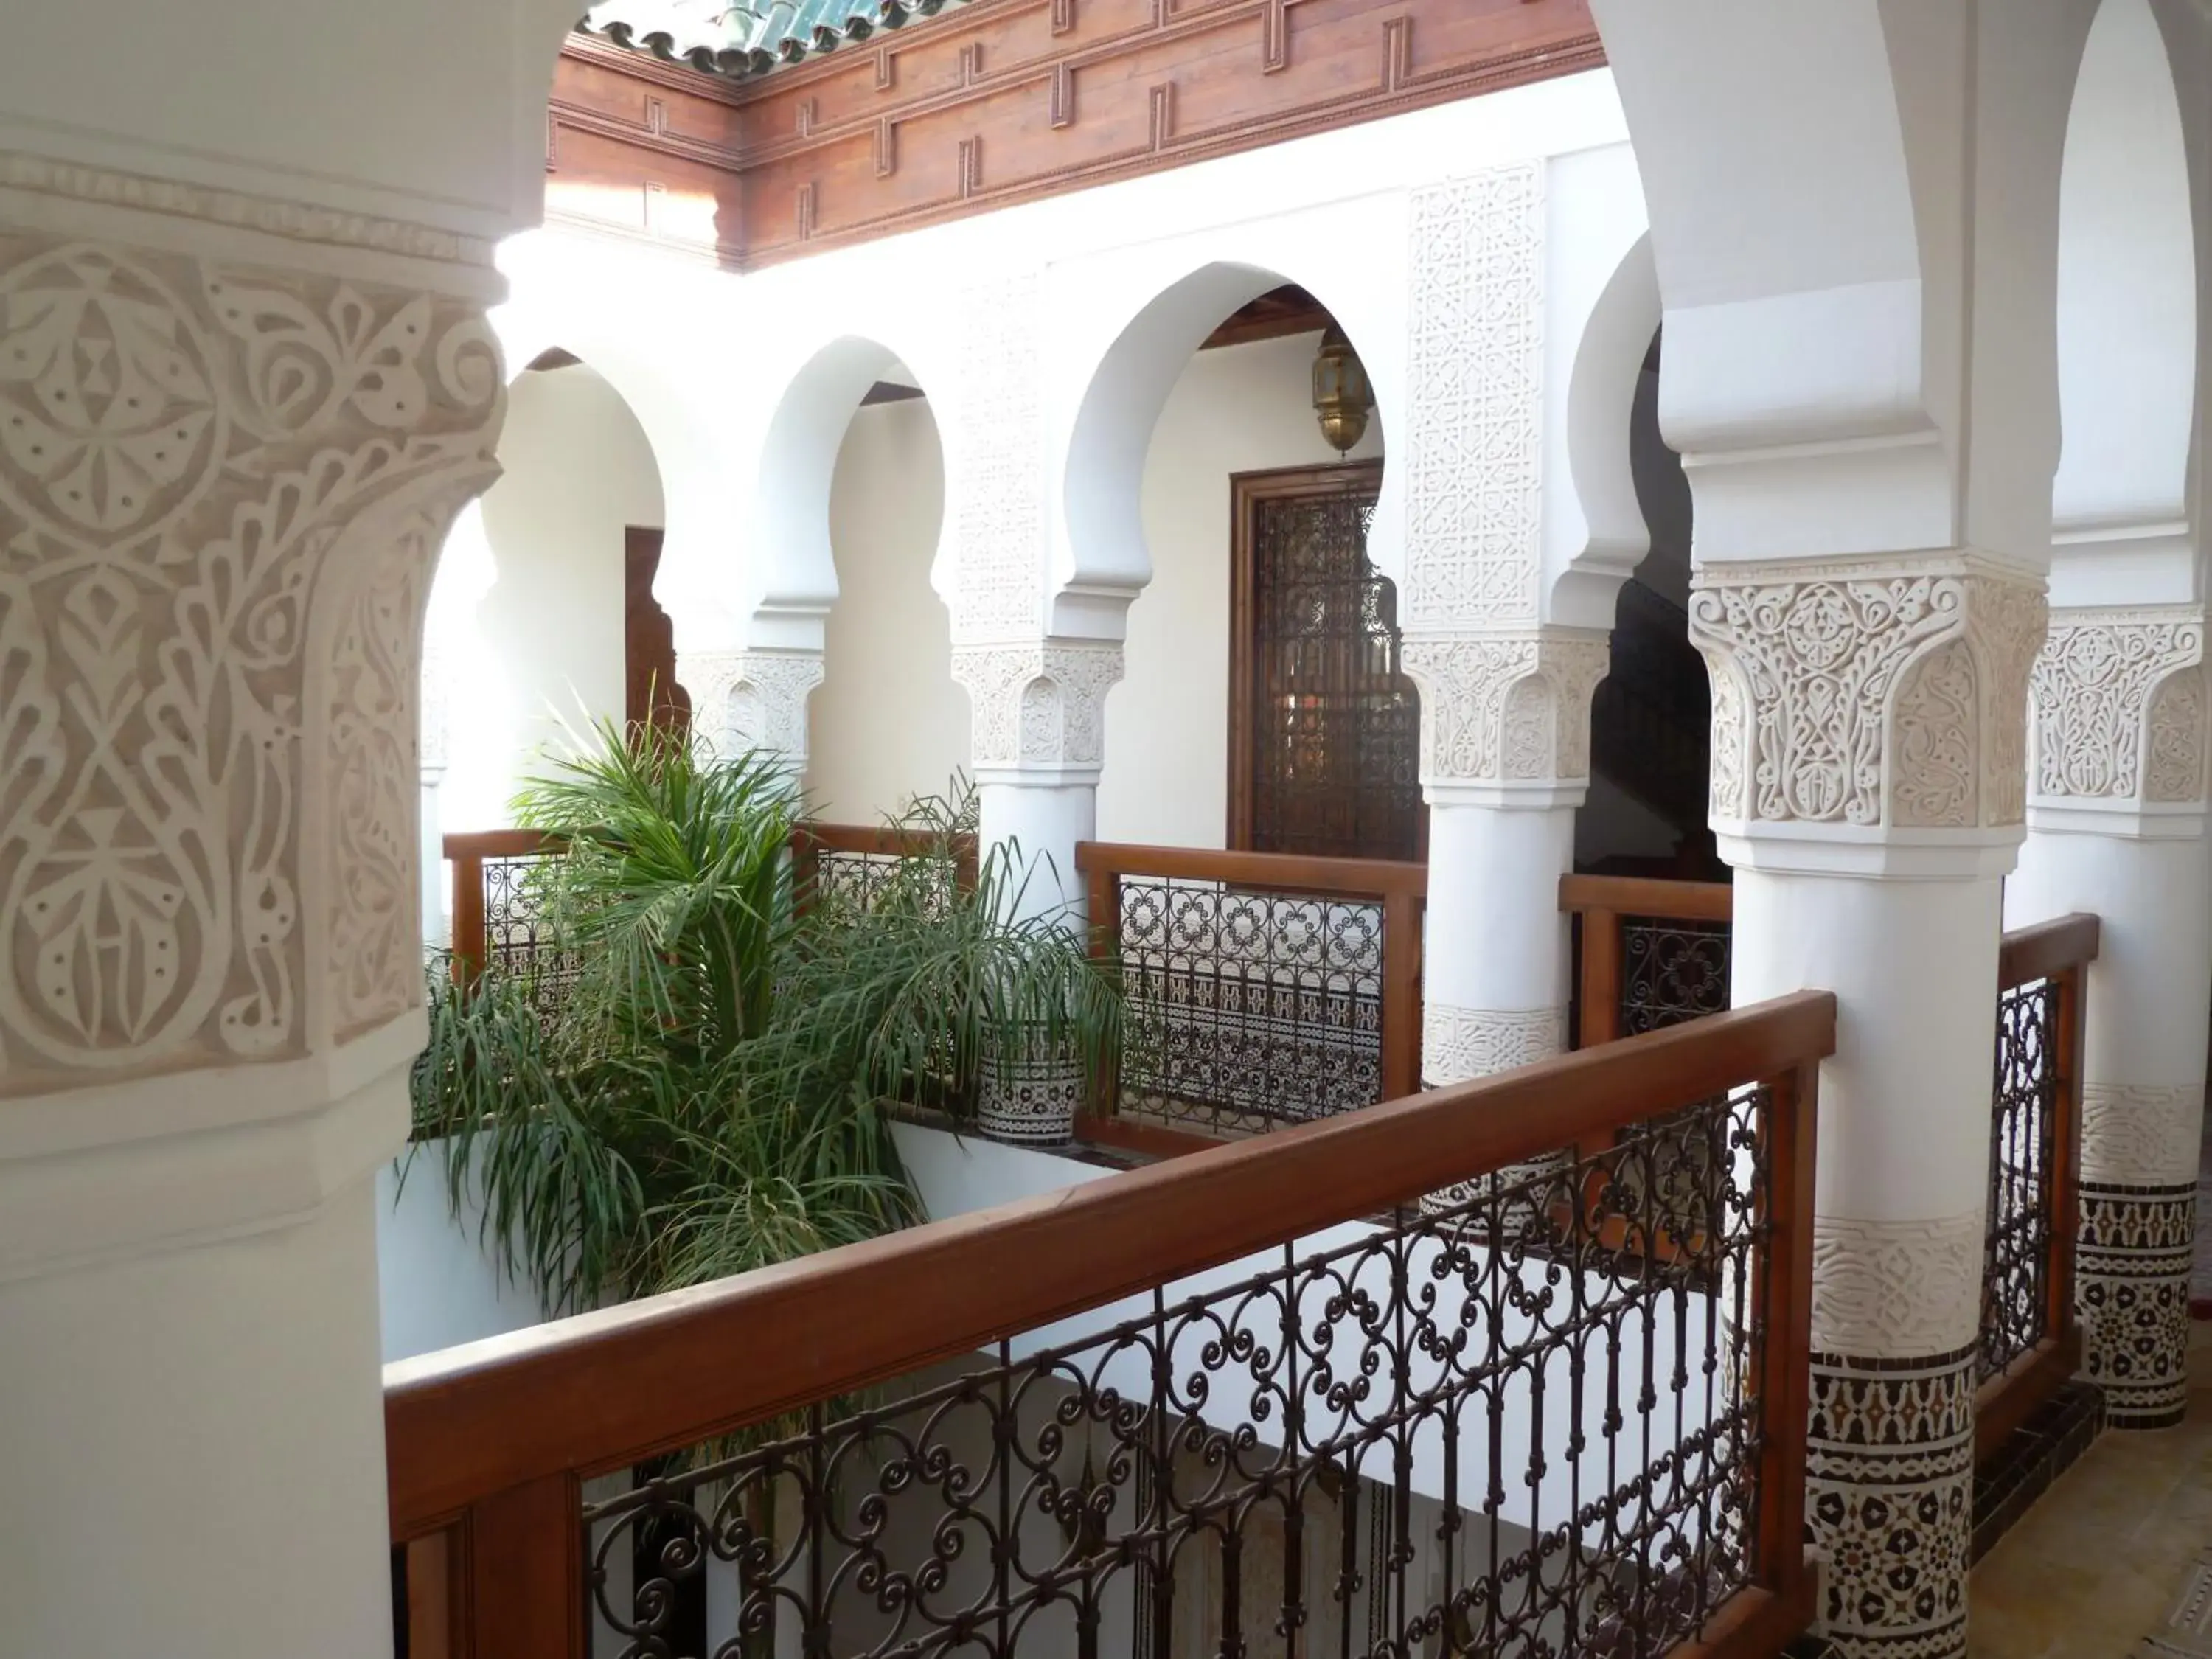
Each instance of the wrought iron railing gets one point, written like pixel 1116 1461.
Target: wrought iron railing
pixel 1651 953
pixel 1259 988
pixel 1260 1401
pixel 849 863
pixel 2031 1334
pixel 498 913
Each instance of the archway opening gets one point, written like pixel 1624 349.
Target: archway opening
pixel 541 620
pixel 888 723
pixel 1263 636
pixel 1651 717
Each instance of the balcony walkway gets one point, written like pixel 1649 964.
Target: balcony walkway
pixel 2102 1558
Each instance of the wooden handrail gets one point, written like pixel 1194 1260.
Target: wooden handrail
pixel 2047 950
pixel 880 840
pixel 1402 888
pixel 606 1389
pixel 1353 878
pixel 500 843
pixel 1634 896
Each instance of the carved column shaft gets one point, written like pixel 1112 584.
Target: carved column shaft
pixel 225 472
pixel 2116 826
pixel 1869 723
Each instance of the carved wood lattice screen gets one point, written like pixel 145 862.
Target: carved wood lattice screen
pixel 1324 749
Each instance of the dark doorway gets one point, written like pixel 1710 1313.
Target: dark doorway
pixel 1324 742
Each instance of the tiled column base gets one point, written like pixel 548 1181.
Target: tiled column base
pixel 2131 1286
pixel 1890 1499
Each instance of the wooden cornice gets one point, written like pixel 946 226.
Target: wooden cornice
pixel 1003 101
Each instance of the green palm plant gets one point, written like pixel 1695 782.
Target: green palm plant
pixel 710 1092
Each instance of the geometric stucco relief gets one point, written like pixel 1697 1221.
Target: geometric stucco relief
pixel 1890 1290
pixel 1473 445
pixel 1506 708
pixel 996 504
pixel 2137 1134
pixel 221 492
pixel 1868 693
pixel 2119 706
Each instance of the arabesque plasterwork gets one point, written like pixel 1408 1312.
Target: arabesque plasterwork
pixel 1868 694
pixel 1040 706
pixel 1506 708
pixel 1474 444
pixel 996 508
pixel 2139 1134
pixel 1460 1044
pixel 751 700
pixel 2119 707
pixel 1896 1289
pixel 220 492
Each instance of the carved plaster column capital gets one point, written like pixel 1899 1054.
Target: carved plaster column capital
pixel 1860 705
pixel 1505 717
pixel 1038 710
pixel 751 699
pixel 2119 729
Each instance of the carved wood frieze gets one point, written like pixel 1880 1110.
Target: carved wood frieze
pixel 1004 102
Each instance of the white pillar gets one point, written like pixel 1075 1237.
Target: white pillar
pixel 1037 736
pixel 1504 764
pixel 1867 785
pixel 2116 826
pixel 236 431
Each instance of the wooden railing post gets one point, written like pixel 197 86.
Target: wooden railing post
pixel 1600 989
pixel 2063 1321
pixel 805 867
pixel 525 1572
pixel 1786 1362
pixel 1401 993
pixel 1102 907
pixel 470 948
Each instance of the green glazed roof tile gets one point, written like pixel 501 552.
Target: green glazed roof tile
pixel 740 38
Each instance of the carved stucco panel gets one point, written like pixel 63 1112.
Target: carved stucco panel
pixel 997 509
pixel 2119 706
pixel 2135 1134
pixel 1041 705
pixel 1511 708
pixel 1458 1044
pixel 1865 695
pixel 221 491
pixel 1892 1290
pixel 1473 446
pixel 751 699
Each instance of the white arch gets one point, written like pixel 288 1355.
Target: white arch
pixel 1596 535
pixel 795 576
pixel 1854 211
pixel 2127 324
pixel 1104 561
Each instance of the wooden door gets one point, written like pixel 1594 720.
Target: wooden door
pixel 650 690
pixel 1324 743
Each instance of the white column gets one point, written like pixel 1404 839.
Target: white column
pixel 437 925
pixel 1867 731
pixel 1038 728
pixel 232 433
pixel 2116 826
pixel 1504 764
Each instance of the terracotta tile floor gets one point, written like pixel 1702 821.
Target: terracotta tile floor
pixel 2098 1561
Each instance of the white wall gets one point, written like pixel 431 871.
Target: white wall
pixel 436 1283
pixel 527 611
pixel 1239 408
pixel 887 723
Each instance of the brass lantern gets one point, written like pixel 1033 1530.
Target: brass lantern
pixel 1341 395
